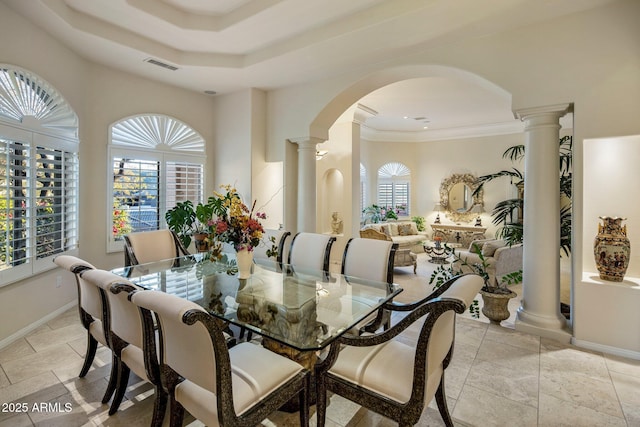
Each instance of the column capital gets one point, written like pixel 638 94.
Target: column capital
pixel 306 141
pixel 557 110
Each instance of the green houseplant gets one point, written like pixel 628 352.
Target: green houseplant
pixel 495 296
pixel 420 222
pixel 190 222
pixel 181 219
pixel 375 214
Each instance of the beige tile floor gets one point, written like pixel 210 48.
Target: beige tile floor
pixel 498 377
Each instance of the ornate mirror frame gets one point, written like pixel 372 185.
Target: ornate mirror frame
pixel 448 183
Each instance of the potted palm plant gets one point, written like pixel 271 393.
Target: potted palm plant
pixel 511 226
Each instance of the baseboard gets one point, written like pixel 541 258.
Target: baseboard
pixel 27 329
pixel 630 354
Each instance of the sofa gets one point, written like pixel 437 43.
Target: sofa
pixel 501 258
pixel 404 233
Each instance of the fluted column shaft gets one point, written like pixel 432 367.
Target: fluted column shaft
pixel 539 311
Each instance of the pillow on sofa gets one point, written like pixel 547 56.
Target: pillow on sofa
pixel 489 248
pixel 414 228
pixel 393 228
pixel 476 245
pixel 386 229
pixel 405 230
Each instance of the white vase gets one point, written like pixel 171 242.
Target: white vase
pixel 245 261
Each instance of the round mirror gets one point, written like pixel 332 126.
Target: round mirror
pixel 460 199
pixel 457 198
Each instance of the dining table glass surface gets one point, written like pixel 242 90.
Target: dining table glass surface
pixel 303 310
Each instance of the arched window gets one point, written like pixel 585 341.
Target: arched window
pixel 155 162
pixel 393 188
pixel 38 175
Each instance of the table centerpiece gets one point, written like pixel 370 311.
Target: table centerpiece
pixel 234 223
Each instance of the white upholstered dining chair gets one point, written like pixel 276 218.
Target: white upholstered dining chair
pixel 219 386
pixel 370 260
pixel 390 376
pixel 148 246
pixel 93 315
pixel 126 338
pixel 310 252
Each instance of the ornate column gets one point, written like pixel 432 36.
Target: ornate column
pixel 307 148
pixel 539 312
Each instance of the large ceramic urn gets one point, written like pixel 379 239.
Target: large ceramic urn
pixel 611 249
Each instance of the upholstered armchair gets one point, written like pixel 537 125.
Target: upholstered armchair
pixel 359 367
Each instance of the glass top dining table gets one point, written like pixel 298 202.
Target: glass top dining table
pixel 306 311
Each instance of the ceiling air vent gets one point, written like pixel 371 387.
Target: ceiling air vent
pixel 160 64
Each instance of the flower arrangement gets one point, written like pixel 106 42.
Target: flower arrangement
pixel 234 222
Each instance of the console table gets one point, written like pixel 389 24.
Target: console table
pixel 456 233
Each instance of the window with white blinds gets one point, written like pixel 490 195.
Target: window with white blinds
pixel 393 188
pixel 38 175
pixel 156 162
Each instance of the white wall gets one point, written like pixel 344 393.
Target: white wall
pixel 232 123
pixel 607 312
pixel 100 96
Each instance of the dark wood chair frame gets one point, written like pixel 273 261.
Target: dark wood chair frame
pixel 383 317
pixel 283 240
pixel 151 365
pixel 300 384
pixel 405 414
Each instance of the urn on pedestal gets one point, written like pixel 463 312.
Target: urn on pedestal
pixel 611 249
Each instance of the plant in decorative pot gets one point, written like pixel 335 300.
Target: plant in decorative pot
pixel 202 229
pixel 191 222
pixel 495 296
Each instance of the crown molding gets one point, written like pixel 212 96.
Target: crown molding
pixel 504 128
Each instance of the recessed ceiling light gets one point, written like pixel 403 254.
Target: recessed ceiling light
pixel 425 127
